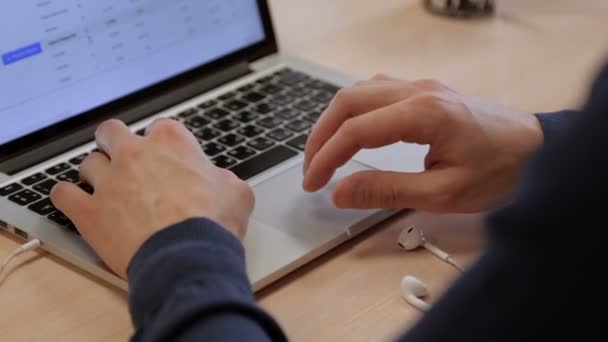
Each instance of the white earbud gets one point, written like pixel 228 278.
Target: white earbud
pixel 411 238
pixel 412 289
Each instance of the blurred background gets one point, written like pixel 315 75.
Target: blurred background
pixel 509 48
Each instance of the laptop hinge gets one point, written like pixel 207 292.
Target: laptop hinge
pixel 148 106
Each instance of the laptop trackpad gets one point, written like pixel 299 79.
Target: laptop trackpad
pixel 282 204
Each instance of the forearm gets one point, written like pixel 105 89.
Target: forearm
pixel 188 283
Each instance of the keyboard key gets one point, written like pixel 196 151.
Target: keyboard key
pixel 207 134
pixel 250 131
pixel 207 104
pixel 59 218
pixel 216 113
pixel 226 125
pixel 264 108
pixel 235 105
pixel 33 179
pixel 79 159
pixel 264 80
pixel 261 144
pixel 43 207
pixel 196 122
pixel 9 189
pixel 292 79
pixel 299 92
pixel 186 113
pixel 298 125
pixel 269 122
pixel 270 89
pixel 45 187
pixel 262 162
pixel 246 116
pixel 254 97
pixel 227 96
pixel 224 161
pixel 71 176
pixel 323 86
pixel 323 97
pixel 298 142
pixel 241 152
pixel 330 88
pixel 25 197
pixel 57 169
pixel 280 134
pixel 246 87
pixel 281 100
pixel 287 113
pixel 313 115
pixel 231 140
pixel 86 187
pixel 305 105
pixel 212 149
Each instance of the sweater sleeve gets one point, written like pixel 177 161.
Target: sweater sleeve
pixel 555 123
pixel 188 283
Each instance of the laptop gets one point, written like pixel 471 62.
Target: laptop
pixel 213 65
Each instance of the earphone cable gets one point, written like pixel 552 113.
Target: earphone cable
pixel 29 246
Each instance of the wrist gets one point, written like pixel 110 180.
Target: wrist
pixel 534 134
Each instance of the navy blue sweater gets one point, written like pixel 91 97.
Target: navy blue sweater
pixel 538 277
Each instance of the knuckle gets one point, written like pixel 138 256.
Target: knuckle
pixel 129 150
pixel 391 197
pixel 169 127
pixel 429 84
pixel 243 190
pixel 361 83
pixel 349 128
pixel 380 76
pixel 443 197
pixel 343 96
pixel 426 99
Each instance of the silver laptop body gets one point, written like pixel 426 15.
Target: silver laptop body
pixel 82 65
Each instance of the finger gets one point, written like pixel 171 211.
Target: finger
pixel 395 190
pixel 402 121
pixel 94 168
pixel 348 103
pixel 111 134
pixel 71 200
pixel 173 133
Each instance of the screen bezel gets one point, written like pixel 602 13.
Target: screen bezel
pixel 41 137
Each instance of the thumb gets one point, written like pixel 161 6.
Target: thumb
pixel 427 190
pixel 71 200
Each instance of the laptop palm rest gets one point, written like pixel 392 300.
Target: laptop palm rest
pixel 289 226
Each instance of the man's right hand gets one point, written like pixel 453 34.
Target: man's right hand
pixel 477 148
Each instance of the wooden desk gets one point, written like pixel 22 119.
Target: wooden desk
pixel 530 56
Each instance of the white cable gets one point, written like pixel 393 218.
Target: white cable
pixel 29 246
pixel 438 252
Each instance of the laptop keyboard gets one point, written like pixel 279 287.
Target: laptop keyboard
pixel 247 131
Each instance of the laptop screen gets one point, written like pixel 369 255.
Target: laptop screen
pixel 60 58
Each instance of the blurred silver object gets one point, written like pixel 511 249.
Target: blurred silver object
pixel 461 8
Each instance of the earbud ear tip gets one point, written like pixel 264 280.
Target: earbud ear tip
pixel 413 286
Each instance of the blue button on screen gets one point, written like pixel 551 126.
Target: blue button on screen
pixel 22 53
